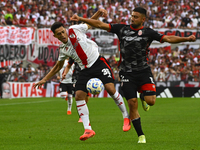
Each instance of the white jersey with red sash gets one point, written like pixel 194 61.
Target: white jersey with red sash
pixel 83 50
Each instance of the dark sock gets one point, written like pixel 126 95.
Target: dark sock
pixel 142 96
pixel 137 125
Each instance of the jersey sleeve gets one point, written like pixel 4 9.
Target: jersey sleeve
pixel 155 35
pixel 61 56
pixel 115 28
pixel 82 27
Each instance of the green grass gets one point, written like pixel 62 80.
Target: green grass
pixel 42 124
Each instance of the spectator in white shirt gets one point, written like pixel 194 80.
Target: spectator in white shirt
pixel 157 23
pixel 184 13
pixel 176 22
pixel 190 25
pixel 194 21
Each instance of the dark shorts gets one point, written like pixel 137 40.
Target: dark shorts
pixel 66 87
pixel 100 69
pixel 138 81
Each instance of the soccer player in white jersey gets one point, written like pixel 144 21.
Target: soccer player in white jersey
pixel 66 86
pixel 84 51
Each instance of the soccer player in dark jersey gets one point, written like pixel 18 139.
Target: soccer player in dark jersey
pixel 135 73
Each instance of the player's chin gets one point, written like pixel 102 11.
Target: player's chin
pixel 135 25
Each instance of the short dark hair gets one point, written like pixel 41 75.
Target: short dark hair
pixel 140 10
pixel 56 25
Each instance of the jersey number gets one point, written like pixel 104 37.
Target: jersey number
pixel 106 72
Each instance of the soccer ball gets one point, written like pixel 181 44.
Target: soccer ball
pixel 94 86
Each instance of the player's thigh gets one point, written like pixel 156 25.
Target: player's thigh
pixel 147 85
pixel 81 82
pixel 148 89
pixel 128 87
pixel 129 90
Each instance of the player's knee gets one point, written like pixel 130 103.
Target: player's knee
pixel 110 88
pixel 80 95
pixel 132 102
pixel 150 100
pixel 63 95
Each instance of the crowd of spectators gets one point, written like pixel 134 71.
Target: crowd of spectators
pixel 179 64
pixel 25 73
pixel 161 13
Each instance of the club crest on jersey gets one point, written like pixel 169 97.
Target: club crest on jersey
pixel 72 36
pixel 140 32
pixel 66 48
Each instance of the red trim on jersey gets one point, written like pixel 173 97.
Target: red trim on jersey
pixel 109 27
pixel 161 39
pixel 103 59
pixel 77 47
pixel 147 87
pixel 136 29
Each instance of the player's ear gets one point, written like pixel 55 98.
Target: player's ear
pixel 143 18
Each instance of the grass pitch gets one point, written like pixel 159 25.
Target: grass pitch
pixel 43 124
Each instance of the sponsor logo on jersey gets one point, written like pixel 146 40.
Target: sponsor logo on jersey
pixel 72 36
pixel 124 80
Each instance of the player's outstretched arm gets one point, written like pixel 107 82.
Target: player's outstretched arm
pixel 53 71
pixel 91 22
pixel 177 39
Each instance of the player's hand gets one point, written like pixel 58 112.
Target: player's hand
pixel 39 84
pixel 74 18
pixel 63 75
pixel 104 12
pixel 191 38
pixel 58 77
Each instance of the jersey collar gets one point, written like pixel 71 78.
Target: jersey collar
pixel 136 29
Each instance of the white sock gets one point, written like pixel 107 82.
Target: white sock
pixel 120 103
pixel 70 101
pixel 83 113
